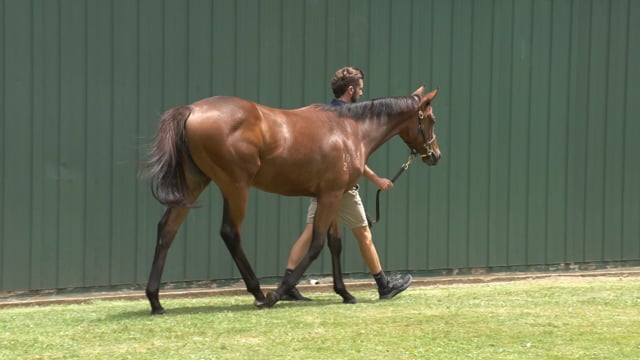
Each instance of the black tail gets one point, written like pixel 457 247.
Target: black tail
pixel 165 166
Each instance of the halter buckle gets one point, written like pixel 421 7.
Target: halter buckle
pixel 410 159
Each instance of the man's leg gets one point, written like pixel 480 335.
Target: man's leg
pixel 300 247
pixel 367 249
pixel 387 288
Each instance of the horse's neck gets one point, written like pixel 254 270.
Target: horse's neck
pixel 376 132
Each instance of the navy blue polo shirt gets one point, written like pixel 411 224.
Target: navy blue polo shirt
pixel 337 102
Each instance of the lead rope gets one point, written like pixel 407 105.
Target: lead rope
pixel 401 171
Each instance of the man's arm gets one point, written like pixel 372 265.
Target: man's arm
pixel 381 183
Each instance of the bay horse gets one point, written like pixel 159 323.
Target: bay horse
pixel 317 151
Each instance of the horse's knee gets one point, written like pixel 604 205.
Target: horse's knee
pixel 335 243
pixel 315 249
pixel 230 235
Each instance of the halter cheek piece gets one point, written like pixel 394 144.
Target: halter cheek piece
pixel 426 143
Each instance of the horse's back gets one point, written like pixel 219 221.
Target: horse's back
pixel 275 129
pixel 222 108
pixel 289 152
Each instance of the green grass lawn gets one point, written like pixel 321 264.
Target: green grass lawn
pixel 542 319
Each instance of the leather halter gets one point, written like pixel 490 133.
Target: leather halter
pixel 424 137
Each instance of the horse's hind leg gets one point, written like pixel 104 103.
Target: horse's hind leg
pixel 335 246
pixel 232 217
pixel 167 228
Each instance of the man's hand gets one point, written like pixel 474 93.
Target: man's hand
pixel 383 184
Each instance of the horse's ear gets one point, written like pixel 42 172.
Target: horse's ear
pixel 430 96
pixel 418 91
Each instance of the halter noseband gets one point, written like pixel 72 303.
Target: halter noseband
pixel 424 137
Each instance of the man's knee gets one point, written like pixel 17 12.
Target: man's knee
pixel 362 234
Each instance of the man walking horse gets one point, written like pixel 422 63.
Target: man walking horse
pixel 318 151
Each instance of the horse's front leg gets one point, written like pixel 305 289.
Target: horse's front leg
pixel 232 217
pixel 335 246
pixel 326 211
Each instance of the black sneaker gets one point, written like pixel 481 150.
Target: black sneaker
pixel 294 295
pixel 395 287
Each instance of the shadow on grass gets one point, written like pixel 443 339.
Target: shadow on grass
pixel 182 310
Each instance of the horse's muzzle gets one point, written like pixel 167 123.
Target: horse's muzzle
pixel 431 157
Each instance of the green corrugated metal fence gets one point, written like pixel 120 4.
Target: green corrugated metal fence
pixel 537 120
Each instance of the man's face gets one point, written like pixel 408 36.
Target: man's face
pixel 357 91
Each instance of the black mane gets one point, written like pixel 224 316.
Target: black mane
pixel 375 108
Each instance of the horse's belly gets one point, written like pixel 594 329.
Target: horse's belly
pixel 282 185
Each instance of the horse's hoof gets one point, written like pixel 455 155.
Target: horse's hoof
pixel 272 299
pixel 347 298
pixel 158 311
pixel 262 304
pixel 351 300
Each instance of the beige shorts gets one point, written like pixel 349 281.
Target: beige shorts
pixel 351 212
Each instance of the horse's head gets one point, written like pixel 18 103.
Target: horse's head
pixel 422 138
